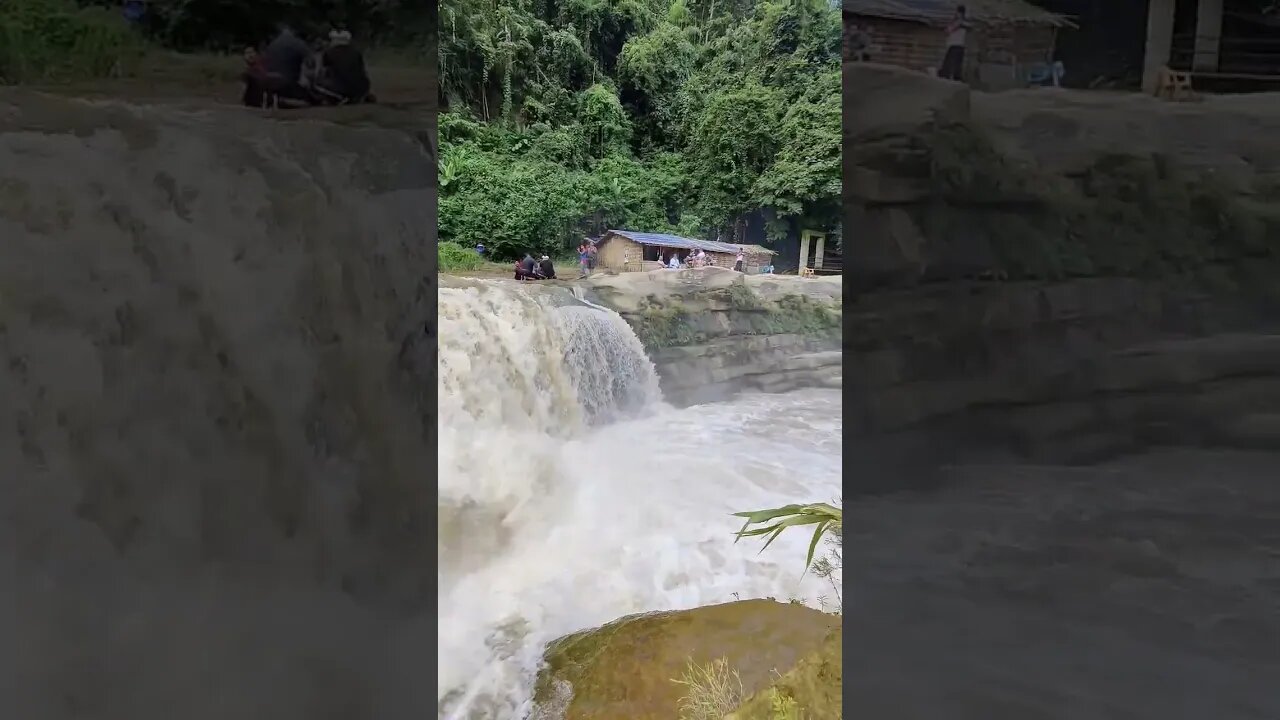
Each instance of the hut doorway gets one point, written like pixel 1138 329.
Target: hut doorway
pixel 816 257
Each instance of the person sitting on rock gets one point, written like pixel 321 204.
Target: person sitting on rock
pixel 546 269
pixel 283 60
pixel 343 78
pixel 526 268
pixel 255 78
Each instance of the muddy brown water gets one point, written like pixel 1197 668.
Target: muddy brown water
pixel 1145 588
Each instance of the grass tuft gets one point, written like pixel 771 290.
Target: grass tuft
pixel 711 690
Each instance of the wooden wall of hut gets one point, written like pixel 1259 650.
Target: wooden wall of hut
pixel 919 46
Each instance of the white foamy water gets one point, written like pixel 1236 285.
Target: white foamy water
pixel 570 495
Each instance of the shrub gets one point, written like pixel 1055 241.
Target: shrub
pixel 455 258
pixel 54 40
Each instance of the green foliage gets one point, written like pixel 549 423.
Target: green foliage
pixel 223 25
pixel 566 118
pixel 455 258
pixel 67 40
pixel 771 523
pixel 42 40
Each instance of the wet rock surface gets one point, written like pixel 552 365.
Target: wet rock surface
pixel 216 439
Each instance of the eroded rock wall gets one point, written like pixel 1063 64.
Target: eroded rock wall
pixel 713 332
pixel 1055 276
pixel 216 411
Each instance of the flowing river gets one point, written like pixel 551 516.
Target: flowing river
pixel 571 495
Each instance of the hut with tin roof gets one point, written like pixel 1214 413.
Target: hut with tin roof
pixel 632 251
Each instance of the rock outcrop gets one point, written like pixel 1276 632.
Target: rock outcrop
pixel 713 332
pixel 215 401
pixel 944 183
pixel 630 668
pixel 1053 275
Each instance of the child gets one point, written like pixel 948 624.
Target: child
pixel 254 77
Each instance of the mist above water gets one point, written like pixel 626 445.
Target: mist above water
pixel 570 495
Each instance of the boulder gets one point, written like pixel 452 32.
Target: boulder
pixel 627 669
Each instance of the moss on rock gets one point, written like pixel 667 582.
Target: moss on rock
pixel 669 323
pixel 809 691
pixel 660 325
pixel 627 669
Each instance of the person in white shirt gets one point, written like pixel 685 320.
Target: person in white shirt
pixel 957 37
pixel 740 261
pixel 674 262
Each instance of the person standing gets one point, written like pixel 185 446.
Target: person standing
pixel 957 37
pixel 584 261
pixel 739 262
pixel 860 43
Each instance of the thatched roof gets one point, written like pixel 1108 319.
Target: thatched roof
pixel 938 12
pixel 683 243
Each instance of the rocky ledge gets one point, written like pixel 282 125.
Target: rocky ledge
pixel 769 654
pixel 713 332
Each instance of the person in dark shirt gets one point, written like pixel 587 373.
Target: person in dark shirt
pixel 526 269
pixel 283 59
pixel 343 78
pixel 546 269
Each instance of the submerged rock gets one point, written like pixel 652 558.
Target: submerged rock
pixel 629 668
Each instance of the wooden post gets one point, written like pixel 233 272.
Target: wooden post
pixel 1159 42
pixel 818 253
pixel 1208 35
pixel 804 251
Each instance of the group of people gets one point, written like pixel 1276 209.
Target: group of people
pixel 699 258
pixel 289 72
pixel 530 269
pixel 952 68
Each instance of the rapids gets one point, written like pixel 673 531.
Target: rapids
pixel 571 495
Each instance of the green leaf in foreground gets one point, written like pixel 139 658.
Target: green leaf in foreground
pixel 821 515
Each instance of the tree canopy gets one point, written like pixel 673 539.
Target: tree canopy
pixel 567 116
